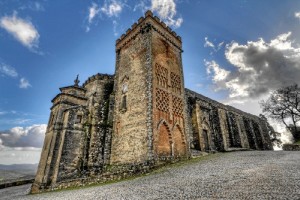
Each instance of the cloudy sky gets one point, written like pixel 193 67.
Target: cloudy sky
pixel 235 51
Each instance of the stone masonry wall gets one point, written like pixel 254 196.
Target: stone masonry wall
pixel 169 138
pixel 130 139
pixel 222 127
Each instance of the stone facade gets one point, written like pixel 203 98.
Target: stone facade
pixel 216 127
pixel 114 126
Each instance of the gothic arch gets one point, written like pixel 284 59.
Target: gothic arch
pixel 163 141
pixel 205 135
pixel 179 141
pixel 162 121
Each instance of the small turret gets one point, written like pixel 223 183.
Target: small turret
pixel 76 81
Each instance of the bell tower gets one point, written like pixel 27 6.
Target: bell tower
pixel 149 115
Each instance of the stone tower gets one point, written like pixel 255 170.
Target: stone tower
pixel 78 136
pixel 149 112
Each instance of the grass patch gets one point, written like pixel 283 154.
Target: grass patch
pixel 155 171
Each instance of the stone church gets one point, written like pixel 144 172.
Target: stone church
pixel 115 126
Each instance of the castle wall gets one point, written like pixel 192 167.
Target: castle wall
pixel 130 138
pixel 222 127
pixel 100 104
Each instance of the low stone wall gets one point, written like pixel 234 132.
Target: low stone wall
pixel 110 173
pixel 12 183
pixel 291 147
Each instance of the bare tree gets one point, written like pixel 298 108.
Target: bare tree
pixel 284 105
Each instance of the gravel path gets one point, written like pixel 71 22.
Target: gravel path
pixel 236 175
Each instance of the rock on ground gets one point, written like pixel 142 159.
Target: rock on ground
pixel 235 175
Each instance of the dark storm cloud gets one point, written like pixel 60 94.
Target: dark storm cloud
pixel 261 67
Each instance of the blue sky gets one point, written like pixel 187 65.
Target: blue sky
pixel 235 51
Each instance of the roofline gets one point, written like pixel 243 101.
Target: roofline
pixel 71 95
pixel 72 86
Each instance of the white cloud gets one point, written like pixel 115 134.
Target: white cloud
pixel 297 15
pixel 111 8
pixel 214 47
pixel 166 10
pixel 208 43
pixel 24 83
pixel 11 72
pixel 220 45
pixel 115 24
pixel 237 89
pixel 93 11
pixel 141 6
pixel 22 30
pixel 281 42
pixel 176 23
pixel 10 156
pixel 260 67
pixel 23 138
pixel 8 70
pixel 219 74
pixel 1 145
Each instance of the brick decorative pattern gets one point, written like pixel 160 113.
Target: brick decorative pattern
pixel 161 75
pixel 175 83
pixel 162 100
pixel 177 106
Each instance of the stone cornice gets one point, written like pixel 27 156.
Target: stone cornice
pixel 74 87
pixel 145 24
pixel 69 95
pixel 64 102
